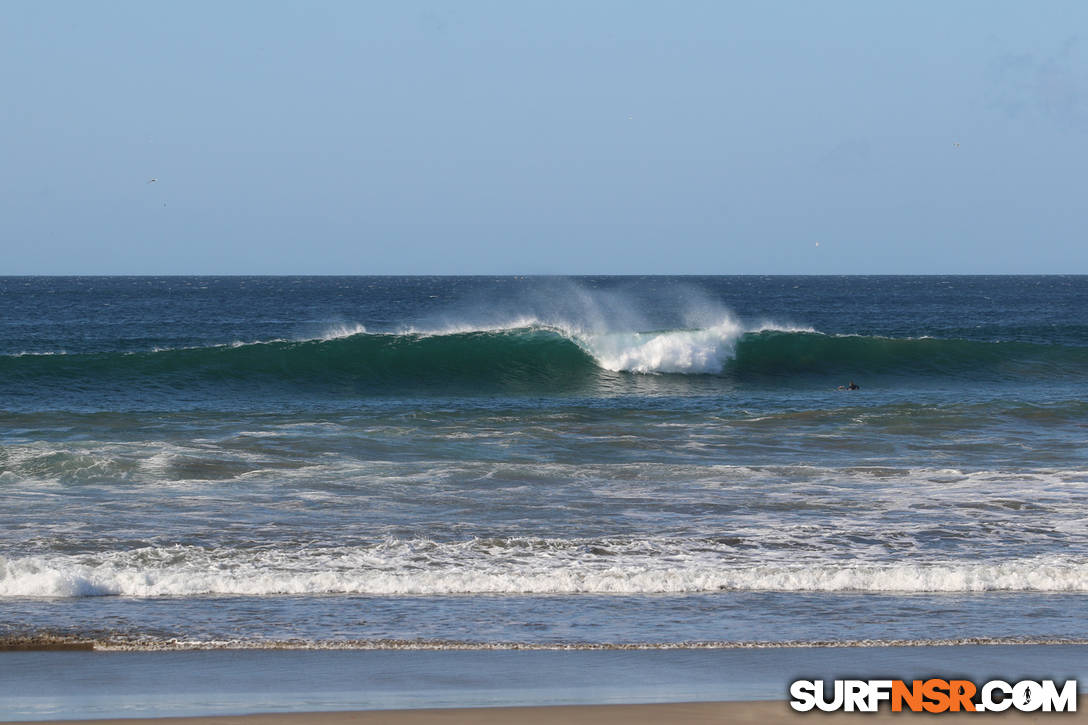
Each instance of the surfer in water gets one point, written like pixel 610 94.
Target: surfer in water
pixel 851 386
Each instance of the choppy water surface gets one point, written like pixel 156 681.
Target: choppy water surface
pixel 389 462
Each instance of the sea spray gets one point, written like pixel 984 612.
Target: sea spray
pixel 671 351
pixel 536 462
pixel 540 358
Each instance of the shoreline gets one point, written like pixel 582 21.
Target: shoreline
pixel 200 686
pixel 76 643
pixel 683 713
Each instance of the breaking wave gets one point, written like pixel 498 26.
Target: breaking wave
pixel 508 566
pixel 141 643
pixel 540 357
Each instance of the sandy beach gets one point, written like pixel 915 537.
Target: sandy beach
pixel 439 686
pixel 586 363
pixel 680 713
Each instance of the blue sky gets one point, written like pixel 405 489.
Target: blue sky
pixel 543 137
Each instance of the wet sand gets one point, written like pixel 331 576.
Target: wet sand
pixel 678 713
pixel 448 686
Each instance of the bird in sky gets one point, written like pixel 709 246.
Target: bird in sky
pixel 152 181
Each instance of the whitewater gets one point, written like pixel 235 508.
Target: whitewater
pixel 576 463
pixel 468 568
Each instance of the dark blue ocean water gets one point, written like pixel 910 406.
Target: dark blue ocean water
pixel 439 461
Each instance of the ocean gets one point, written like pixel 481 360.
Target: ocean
pixel 542 463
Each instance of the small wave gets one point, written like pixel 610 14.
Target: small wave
pixel 139 643
pixel 507 566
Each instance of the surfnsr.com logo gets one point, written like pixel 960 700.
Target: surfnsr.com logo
pixel 933 695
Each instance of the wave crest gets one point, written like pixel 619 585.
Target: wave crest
pixel 507 566
pixel 540 358
pixel 675 351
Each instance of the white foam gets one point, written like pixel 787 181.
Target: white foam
pixel 621 331
pixel 703 350
pixel 514 566
pixel 147 644
pixel 674 351
pixel 513 324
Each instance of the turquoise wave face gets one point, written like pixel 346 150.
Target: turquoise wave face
pixel 360 363
pixel 535 359
pixel 566 456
